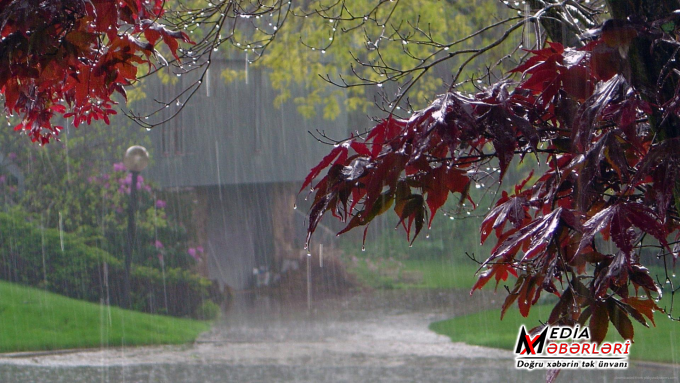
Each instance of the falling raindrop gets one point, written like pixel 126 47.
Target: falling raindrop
pixel 61 231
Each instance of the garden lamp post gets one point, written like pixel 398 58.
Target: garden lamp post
pixel 135 160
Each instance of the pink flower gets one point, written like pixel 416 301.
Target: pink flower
pixel 119 167
pixel 193 254
pixel 160 204
pixel 12 156
pixel 159 244
pixel 128 181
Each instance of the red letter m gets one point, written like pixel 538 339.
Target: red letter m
pixel 533 346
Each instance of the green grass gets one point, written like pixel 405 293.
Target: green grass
pixel 657 344
pixel 432 273
pixel 32 319
pixel 443 274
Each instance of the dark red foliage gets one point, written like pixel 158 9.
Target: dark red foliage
pixel 68 57
pixel 608 170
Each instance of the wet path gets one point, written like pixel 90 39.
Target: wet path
pixel 379 337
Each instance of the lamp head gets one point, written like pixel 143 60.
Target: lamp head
pixel 136 158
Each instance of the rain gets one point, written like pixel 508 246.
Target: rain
pixel 231 166
pixel 190 263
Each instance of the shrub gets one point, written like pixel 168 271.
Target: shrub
pixel 208 310
pixel 64 264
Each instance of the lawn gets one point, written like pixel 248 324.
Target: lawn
pixel 657 344
pixel 443 273
pixel 412 273
pixel 33 319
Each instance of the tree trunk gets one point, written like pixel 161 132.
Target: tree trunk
pixel 556 30
pixel 647 61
